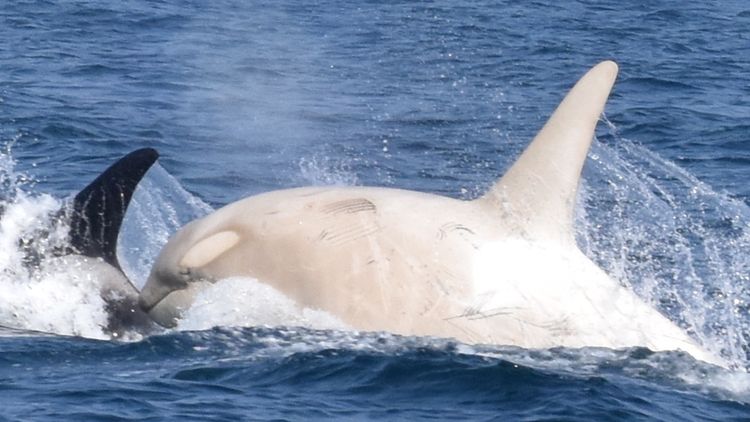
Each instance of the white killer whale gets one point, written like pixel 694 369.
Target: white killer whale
pixel 502 269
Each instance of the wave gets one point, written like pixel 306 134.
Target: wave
pixel 344 374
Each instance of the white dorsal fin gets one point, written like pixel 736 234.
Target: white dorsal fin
pixel 536 196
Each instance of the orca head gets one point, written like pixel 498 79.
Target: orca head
pixel 183 266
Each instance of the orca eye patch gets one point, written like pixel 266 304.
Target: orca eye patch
pixel 209 249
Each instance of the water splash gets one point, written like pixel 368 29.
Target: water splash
pixel 323 171
pixel 160 205
pixel 674 369
pixel 670 237
pixel 43 289
pixel 243 302
pixel 40 292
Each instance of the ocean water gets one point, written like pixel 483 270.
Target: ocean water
pixel 244 97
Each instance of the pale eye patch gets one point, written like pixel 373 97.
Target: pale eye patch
pixel 209 249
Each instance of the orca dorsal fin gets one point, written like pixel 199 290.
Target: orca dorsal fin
pixel 98 210
pixel 536 196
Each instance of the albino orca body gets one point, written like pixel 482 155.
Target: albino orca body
pixel 502 269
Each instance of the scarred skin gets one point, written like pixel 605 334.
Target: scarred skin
pixel 502 269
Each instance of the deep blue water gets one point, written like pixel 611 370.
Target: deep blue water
pixel 244 97
pixel 263 374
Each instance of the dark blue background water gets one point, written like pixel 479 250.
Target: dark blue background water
pixel 243 97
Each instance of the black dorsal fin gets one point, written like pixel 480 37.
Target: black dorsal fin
pixel 98 210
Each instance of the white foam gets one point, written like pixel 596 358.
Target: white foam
pixel 43 292
pixel 45 296
pixel 66 303
pixel 246 302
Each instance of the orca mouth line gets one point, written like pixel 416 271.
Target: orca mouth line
pixel 147 306
pixel 148 300
pixel 159 303
pixel 153 294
